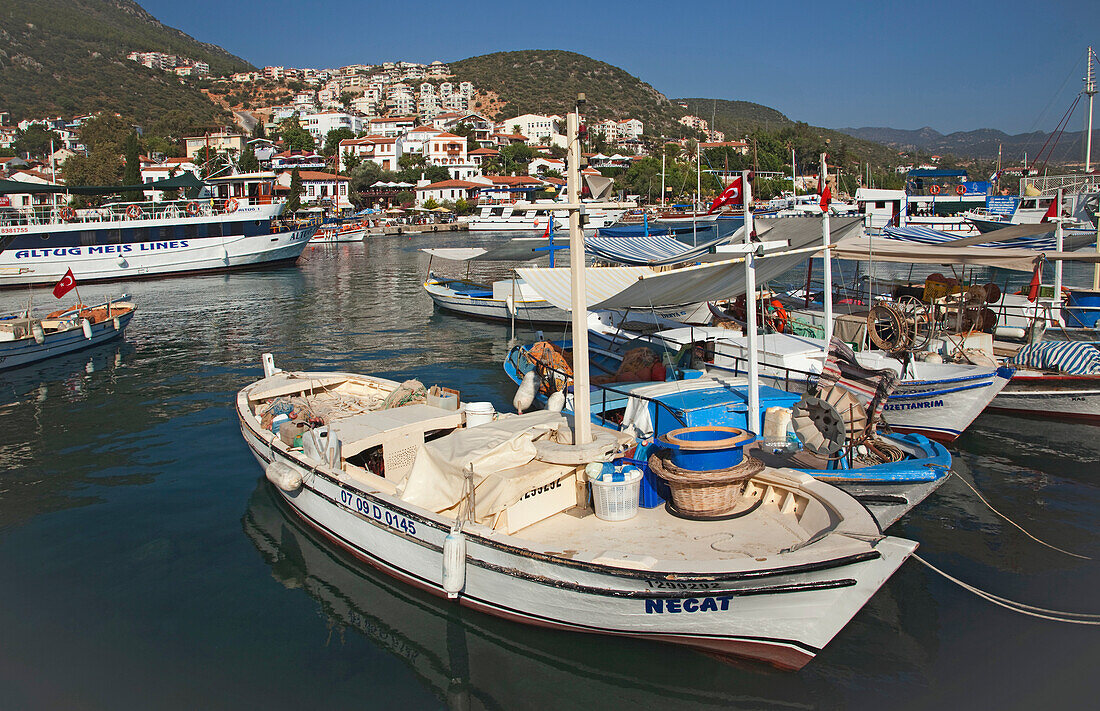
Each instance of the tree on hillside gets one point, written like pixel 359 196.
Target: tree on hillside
pixel 34 142
pixel 96 168
pixel 106 132
pixel 132 174
pixel 295 138
pixel 411 161
pixel 247 162
pixel 351 161
pixel 294 197
pixel 333 138
pixel 259 130
pixel 346 98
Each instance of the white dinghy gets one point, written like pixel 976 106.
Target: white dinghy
pixel 495 513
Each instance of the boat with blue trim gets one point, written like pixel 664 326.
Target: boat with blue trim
pixel 888 473
pixel 233 223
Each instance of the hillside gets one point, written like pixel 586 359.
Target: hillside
pixel 738 119
pixel 547 82
pixel 981 143
pixel 734 118
pixel 68 57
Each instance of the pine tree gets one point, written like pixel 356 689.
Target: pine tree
pixel 294 199
pixel 248 163
pixel 132 176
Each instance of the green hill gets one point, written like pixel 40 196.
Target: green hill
pixel 734 118
pixel 547 82
pixel 68 57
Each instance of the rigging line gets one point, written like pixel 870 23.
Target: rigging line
pixel 1021 608
pixel 1006 518
pixel 1050 103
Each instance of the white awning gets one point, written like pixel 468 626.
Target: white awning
pixel 522 249
pixel 641 287
pixel 888 250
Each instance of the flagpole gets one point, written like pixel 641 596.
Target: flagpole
pixel 1058 243
pixel 753 415
pixel 827 262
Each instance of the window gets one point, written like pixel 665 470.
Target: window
pixel 309 191
pixel 880 204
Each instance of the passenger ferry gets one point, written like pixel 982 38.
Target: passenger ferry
pixel 520 217
pixel 235 224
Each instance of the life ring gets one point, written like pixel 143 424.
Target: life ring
pixel 134 212
pixel 231 205
pixel 935 190
pixel 192 208
pixel 777 318
pixel 960 190
pixel 68 214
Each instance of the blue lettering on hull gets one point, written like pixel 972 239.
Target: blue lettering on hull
pixel 691 604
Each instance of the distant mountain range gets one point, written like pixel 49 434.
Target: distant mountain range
pixel 981 143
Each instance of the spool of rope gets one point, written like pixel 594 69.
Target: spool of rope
pixel 825 423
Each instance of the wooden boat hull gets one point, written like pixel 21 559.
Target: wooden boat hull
pixel 1063 397
pixel 25 351
pixel 782 610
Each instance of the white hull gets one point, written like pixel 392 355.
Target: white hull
pixel 24 351
pixel 782 607
pixel 1054 396
pixel 46 266
pixel 781 617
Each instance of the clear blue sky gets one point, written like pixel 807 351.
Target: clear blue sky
pixel 953 66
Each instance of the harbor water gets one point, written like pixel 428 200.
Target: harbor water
pixel 146 563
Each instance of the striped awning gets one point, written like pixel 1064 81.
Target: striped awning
pixel 646 251
pixel 1039 237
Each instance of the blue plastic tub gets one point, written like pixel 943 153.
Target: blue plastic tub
pixel 1087 312
pixel 653 491
pixel 704 449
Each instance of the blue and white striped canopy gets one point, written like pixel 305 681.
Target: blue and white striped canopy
pixel 645 251
pixel 927 235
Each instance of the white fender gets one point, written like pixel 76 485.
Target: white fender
pixel 525 394
pixel 556 401
pixel 511 304
pixel 86 326
pixel 38 333
pixel 284 476
pixel 116 323
pixel 454 563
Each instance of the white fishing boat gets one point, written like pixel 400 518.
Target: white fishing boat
pixel 776 584
pixel 354 232
pixel 937 400
pixel 522 216
pixel 26 339
pixel 129 240
pixel 495 514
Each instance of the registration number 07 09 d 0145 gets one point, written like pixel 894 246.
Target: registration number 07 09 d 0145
pixel 394 521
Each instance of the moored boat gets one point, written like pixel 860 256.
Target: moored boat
pixel 25 339
pixel 388 488
pixel 128 240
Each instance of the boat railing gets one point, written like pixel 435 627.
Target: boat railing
pixel 120 212
pixel 604 389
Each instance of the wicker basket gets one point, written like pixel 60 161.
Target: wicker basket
pixel 705 494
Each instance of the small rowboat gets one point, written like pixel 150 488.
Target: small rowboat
pixel 25 339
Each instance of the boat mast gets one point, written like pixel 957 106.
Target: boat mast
pixel 753 414
pixel 827 262
pixel 698 194
pixel 582 407
pixel 1090 91
pixel 662 176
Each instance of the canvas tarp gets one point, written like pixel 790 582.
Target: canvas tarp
pixel 522 249
pixel 185 181
pixel 502 456
pixel 885 250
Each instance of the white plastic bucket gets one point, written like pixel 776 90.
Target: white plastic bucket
pixel 479 413
pixel 616 500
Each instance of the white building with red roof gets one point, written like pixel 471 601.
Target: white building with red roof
pixel 319 188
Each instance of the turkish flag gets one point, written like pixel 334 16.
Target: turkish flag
pixel 826 195
pixel 1052 211
pixel 730 196
pixel 67 284
pixel 1036 279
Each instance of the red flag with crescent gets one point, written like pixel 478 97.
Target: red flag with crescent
pixel 67 284
pixel 730 196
